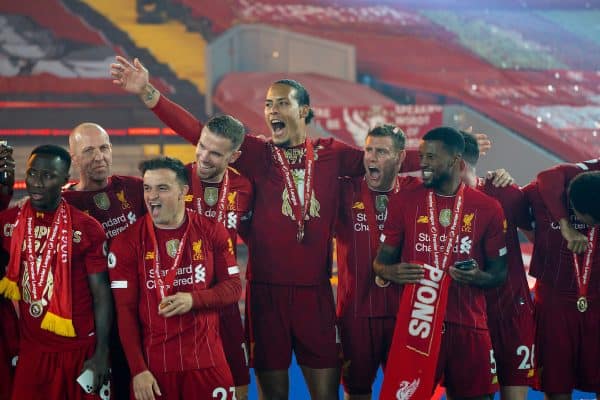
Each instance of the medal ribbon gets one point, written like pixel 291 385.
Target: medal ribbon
pixel 452 234
pixel 367 199
pixel 413 358
pixel 161 285
pixel 38 277
pixel 198 190
pixel 583 279
pixel 284 167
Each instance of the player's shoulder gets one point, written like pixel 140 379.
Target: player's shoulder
pixel 83 221
pixel 237 179
pixel 10 214
pixel 126 180
pixel 477 199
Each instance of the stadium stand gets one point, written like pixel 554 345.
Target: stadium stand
pixel 553 103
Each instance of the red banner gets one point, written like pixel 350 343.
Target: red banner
pixel 351 124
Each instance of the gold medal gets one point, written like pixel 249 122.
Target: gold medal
pixel 102 201
pixel 381 282
pixel 582 304
pixel 445 217
pixel 36 309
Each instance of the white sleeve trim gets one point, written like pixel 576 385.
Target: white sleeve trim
pixel 118 285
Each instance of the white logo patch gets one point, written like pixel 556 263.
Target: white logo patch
pixel 465 245
pixel 382 238
pixel 112 260
pixel 407 389
pixel 233 270
pixel 502 251
pixel 131 217
pixel 231 220
pixel 118 285
pixel 199 274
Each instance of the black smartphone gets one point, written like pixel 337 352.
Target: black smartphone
pixel 465 265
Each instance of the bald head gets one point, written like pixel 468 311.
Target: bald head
pixel 91 152
pixel 85 131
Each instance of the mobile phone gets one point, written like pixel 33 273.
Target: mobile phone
pixel 3 175
pixel 86 380
pixel 465 265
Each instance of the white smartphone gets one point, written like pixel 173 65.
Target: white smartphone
pixel 86 380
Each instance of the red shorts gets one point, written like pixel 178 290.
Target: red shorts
pixel 567 343
pixel 51 376
pixel 298 318
pixel 466 362
pixel 207 383
pixel 513 338
pixel 366 344
pixel 232 335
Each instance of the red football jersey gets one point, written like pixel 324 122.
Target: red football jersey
pixel 553 183
pixel 239 200
pixel 552 261
pixel 87 258
pixel 481 235
pixel 182 342
pixel 355 254
pixel 505 300
pixel 117 206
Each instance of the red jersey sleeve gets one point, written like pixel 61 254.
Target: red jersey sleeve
pixel 495 234
pixel 351 159
pixel 124 277
pixel 514 203
pixel 227 287
pixel 394 227
pixel 251 162
pixel 552 186
pixel 95 256
pixel 178 119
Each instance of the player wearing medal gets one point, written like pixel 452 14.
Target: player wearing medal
pixel 219 192
pixel 566 297
pixel 116 201
pixel 9 331
pixel 509 307
pixel 429 230
pixel 366 305
pixel 57 271
pixel 169 281
pixel 293 199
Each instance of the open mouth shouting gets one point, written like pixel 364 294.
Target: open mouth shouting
pixel 155 208
pixel 277 126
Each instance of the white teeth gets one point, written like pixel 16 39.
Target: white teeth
pixel 274 121
pixel 427 174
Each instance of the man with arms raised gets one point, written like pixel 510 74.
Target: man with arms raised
pixel 296 195
pixel 367 306
pixel 57 272
pixel 445 242
pixel 169 281
pixel 509 307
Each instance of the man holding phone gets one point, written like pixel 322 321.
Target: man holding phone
pixel 441 328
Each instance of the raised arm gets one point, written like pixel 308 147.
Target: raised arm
pixel 134 78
